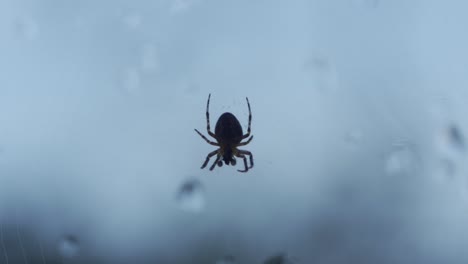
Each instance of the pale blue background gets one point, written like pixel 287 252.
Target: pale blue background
pixel 350 101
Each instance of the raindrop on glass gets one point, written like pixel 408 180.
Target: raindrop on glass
pixel 353 137
pixel 402 159
pixel 192 88
pixel 27 28
pixel 132 21
pixel 191 196
pixel 455 138
pixel 79 22
pixel 149 58
pixel 278 259
pixel 371 3
pixel 367 3
pixel 317 64
pixel 450 142
pixel 322 72
pixel 179 6
pixel 69 246
pixel 227 260
pixel 446 170
pixel 131 80
pixel 463 190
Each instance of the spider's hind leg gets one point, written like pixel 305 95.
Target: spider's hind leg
pixel 215 163
pixel 245 163
pixel 243 153
pixel 211 154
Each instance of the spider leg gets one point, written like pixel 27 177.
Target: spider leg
pixel 208 118
pixel 208 157
pixel 250 120
pixel 207 140
pixel 248 153
pixel 245 162
pixel 245 143
pixel 216 162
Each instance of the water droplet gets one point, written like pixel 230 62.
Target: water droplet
pixel 368 3
pixel 402 159
pixel 446 170
pixel 132 20
pixel 450 141
pixel 179 6
pixel 79 21
pixel 69 246
pixel 27 28
pixel 371 3
pixel 192 88
pixel 354 137
pixel 322 72
pixel 227 260
pixel 131 80
pixel 463 190
pixel 317 63
pixel 191 196
pixel 278 259
pixel 149 58
pixel 456 138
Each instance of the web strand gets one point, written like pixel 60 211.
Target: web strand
pixel 5 253
pixel 20 241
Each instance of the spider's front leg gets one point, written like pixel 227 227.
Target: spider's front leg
pixel 250 121
pixel 208 118
pixel 207 140
pixel 246 142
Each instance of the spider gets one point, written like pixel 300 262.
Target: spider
pixel 228 134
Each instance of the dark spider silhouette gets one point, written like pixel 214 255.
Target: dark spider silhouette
pixel 228 134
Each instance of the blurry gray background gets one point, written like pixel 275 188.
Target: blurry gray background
pixel 359 117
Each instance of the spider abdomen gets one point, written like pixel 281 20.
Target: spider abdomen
pixel 228 129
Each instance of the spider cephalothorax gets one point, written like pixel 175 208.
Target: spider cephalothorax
pixel 228 134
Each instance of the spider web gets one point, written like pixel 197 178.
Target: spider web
pixel 20 240
pixel 13 238
pixel 5 253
